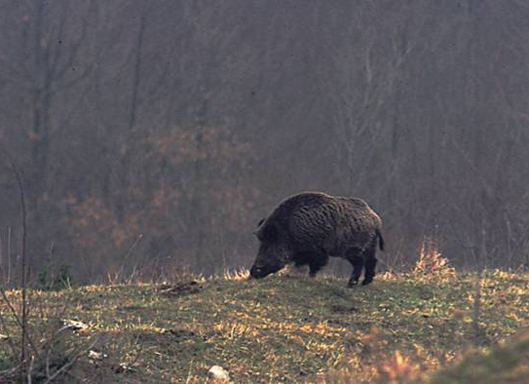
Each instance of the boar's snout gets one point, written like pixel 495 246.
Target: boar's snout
pixel 258 272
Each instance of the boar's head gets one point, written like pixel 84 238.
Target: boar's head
pixel 273 253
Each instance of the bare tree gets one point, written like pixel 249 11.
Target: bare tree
pixel 44 55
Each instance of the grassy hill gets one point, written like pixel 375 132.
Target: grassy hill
pixel 285 328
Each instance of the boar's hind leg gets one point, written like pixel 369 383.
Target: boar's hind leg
pixel 356 259
pixel 370 263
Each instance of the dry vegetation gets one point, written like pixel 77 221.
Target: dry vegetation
pixel 286 328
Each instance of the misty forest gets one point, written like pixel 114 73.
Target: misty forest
pixel 143 144
pixel 155 135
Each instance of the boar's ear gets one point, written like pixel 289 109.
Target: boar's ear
pixel 258 226
pixel 269 233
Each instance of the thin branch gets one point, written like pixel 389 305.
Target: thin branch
pixel 9 372
pixel 8 340
pixel 31 361
pixel 131 248
pixel 68 365
pixel 23 266
pixel 17 319
pixel 8 282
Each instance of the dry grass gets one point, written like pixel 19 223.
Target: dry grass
pixel 285 328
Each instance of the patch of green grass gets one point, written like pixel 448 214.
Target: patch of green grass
pixel 507 363
pixel 284 328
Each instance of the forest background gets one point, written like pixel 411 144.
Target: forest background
pixel 152 136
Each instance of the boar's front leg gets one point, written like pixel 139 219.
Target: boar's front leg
pixel 315 261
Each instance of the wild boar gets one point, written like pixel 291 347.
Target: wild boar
pixel 307 228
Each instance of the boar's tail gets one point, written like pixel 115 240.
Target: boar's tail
pixel 380 239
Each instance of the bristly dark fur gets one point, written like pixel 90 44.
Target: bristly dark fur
pixel 307 228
